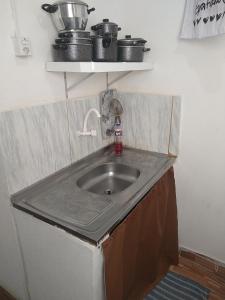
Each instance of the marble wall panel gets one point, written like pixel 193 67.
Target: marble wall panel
pixel 175 126
pixel 146 121
pixel 34 143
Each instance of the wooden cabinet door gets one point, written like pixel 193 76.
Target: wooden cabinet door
pixel 140 250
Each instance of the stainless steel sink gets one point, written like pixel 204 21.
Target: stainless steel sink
pixel 86 210
pixel 108 178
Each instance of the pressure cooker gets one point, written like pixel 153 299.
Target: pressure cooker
pixel 68 15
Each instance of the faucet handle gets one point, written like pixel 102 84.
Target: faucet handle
pixel 93 132
pixel 110 132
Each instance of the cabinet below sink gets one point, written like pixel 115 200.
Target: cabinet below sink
pixel 140 250
pixel 130 260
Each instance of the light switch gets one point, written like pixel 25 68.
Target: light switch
pixel 22 46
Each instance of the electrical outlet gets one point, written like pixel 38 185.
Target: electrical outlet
pixel 22 46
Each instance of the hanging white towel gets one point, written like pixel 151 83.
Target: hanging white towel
pixel 203 19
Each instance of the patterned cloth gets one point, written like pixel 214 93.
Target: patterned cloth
pixel 203 18
pixel 177 287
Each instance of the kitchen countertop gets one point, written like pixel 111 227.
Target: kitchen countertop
pixel 58 200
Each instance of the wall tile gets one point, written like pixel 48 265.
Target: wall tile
pixel 34 143
pixel 175 126
pixel 83 146
pixel 146 121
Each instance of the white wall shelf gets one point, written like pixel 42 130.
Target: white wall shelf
pixel 90 68
pixel 97 67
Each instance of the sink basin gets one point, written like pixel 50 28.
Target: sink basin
pixel 108 178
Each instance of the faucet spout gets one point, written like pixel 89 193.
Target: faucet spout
pixel 92 110
pixel 91 132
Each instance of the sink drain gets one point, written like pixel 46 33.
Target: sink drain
pixel 108 192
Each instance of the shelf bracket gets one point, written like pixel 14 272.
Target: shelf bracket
pixel 65 85
pixel 118 78
pixel 68 88
pixel 79 82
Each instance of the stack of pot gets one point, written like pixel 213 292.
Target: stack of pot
pixel 70 18
pixel 74 44
pixel 105 46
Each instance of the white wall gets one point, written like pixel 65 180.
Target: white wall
pixel 195 70
pixel 24 81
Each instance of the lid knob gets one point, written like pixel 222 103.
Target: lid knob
pixel 128 36
pixel 105 20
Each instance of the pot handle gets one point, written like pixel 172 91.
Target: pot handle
pixel 49 8
pixel 137 43
pixel 96 27
pixel 90 10
pixel 146 49
pixel 62 40
pixel 119 28
pixel 60 46
pixel 67 35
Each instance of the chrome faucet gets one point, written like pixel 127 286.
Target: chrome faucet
pixel 111 131
pixel 91 132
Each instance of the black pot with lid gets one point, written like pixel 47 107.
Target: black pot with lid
pixel 131 49
pixel 105 41
pixel 106 27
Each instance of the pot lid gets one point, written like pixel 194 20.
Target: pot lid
pixel 112 38
pixel 74 33
pixel 70 2
pixel 105 21
pixel 128 40
pixel 73 41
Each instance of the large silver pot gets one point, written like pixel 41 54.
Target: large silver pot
pixel 68 15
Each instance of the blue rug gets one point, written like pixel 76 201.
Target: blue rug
pixel 177 287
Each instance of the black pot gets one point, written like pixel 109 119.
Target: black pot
pixel 104 48
pixel 106 27
pixel 131 53
pixel 72 52
pixel 131 49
